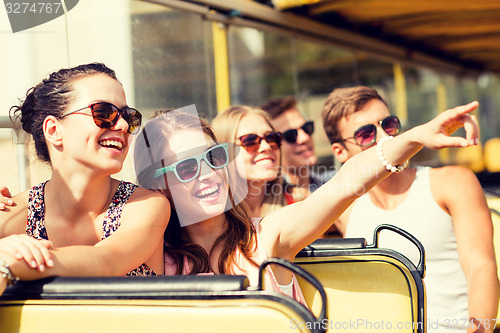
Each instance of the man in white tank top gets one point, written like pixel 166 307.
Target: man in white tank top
pixel 444 208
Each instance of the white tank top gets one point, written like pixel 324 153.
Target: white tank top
pixel 422 217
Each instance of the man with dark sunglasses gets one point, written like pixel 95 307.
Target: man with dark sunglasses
pixel 297 148
pixel 444 208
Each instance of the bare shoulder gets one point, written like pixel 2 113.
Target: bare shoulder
pixel 141 193
pixel 13 218
pixel 147 203
pixel 456 187
pixel 453 176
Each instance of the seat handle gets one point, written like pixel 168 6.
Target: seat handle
pixel 407 235
pixel 302 273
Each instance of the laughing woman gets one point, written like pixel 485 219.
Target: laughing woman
pixel 81 222
pixel 251 129
pixel 179 154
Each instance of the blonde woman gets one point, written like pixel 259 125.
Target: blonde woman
pixel 251 129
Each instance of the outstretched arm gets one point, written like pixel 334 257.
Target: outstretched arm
pixel 290 229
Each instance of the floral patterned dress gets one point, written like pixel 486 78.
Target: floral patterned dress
pixel 36 217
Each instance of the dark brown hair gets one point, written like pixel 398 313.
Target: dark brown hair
pixel 343 102
pixel 50 98
pixel 277 106
pixel 240 232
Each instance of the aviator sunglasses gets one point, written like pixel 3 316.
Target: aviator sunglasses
pixel 189 168
pixel 106 115
pixel 251 142
pixel 366 135
pixel 291 135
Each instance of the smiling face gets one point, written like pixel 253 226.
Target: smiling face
pixel 301 153
pixel 203 197
pixel 371 113
pixel 264 164
pixel 82 139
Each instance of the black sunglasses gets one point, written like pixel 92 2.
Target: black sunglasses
pixel 188 169
pixel 251 142
pixel 291 135
pixel 106 115
pixel 366 135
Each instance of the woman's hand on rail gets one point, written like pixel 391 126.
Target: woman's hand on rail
pixel 34 252
pixel 4 281
pixel 5 198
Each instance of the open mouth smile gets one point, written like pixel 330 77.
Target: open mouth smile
pixel 209 192
pixel 111 144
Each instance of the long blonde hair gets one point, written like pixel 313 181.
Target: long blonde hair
pixel 226 125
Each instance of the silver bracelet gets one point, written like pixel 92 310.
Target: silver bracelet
pixel 7 273
pixel 385 163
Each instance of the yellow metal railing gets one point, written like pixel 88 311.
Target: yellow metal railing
pixel 221 63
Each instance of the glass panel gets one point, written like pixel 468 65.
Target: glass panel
pixel 260 65
pixel 266 65
pixel 320 69
pixel 489 99
pixel 172 59
pixel 421 90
